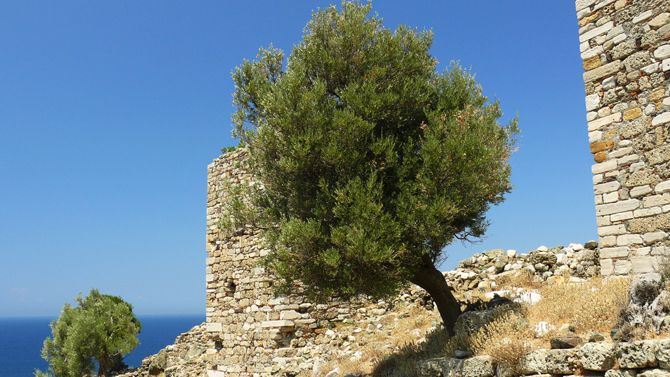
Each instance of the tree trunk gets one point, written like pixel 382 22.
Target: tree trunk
pixel 431 279
pixel 103 365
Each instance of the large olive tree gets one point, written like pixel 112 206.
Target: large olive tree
pixel 369 161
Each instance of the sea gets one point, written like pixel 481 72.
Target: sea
pixel 21 340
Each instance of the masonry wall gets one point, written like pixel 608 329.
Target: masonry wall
pixel 625 45
pixel 254 332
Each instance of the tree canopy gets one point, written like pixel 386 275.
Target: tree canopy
pixel 101 328
pixel 369 161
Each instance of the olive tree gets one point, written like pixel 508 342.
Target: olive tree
pixel 369 162
pixel 101 328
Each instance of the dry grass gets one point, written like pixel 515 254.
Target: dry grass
pixel 590 306
pixel 507 339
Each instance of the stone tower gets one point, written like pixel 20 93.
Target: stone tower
pixel 625 45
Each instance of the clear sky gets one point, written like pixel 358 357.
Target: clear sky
pixel 110 113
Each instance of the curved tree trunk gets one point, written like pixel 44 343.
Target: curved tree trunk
pixel 431 279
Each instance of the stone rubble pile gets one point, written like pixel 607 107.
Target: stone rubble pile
pixel 490 269
pixel 186 357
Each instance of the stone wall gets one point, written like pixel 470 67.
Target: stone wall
pixel 625 45
pixel 491 269
pixel 254 333
pixel 647 358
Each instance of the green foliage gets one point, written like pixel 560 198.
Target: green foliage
pixel 100 327
pixel 368 158
pixel 229 149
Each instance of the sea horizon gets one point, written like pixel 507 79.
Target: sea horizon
pixel 22 338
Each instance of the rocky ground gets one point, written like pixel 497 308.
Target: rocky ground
pixel 357 344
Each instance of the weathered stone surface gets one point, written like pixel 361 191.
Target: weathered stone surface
pixel 565 342
pixel 535 362
pixel 601 146
pixel 663 353
pixel 654 373
pixel 562 361
pixel 641 177
pixel 637 60
pixel 640 354
pixel 598 356
pixel 470 322
pixel 632 113
pixel 621 206
pixel 478 366
pixel 606 70
pixel 660 20
pixel 445 367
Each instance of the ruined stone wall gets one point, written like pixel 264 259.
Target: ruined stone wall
pixel 625 45
pixel 254 333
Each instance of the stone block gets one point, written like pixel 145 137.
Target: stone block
pixel 614 252
pixel 606 267
pixel 660 20
pixel 535 362
pixel 214 327
pixel 632 113
pixel 629 239
pixel 478 366
pixel 661 119
pixel 622 216
pixel 643 16
pixel 607 187
pixel 611 230
pixel 605 121
pixel 289 315
pixel 662 52
pixel 592 101
pixel 654 373
pixel 598 356
pixel 601 146
pixel 600 72
pixel 622 206
pixel 440 367
pixel 562 361
pixel 640 354
pixel 592 53
pixel 663 353
pixel 656 200
pixel 640 191
pixel 637 60
pixel 657 95
pixel 277 323
pixel 591 64
pixel 622 267
pixel 646 212
pixel 596 32
pixel 604 167
pixel 581 4
pixel 653 237
pixel 643 264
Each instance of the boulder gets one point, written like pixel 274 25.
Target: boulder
pixel 470 322
pixel 478 366
pixel 565 342
pixel 598 356
pixel 640 354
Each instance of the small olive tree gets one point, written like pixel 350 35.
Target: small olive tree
pixel 369 161
pixel 101 328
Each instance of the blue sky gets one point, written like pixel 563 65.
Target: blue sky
pixel 110 113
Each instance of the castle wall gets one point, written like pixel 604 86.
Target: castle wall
pixel 625 45
pixel 254 332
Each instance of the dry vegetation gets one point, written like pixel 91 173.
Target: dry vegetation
pixel 582 309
